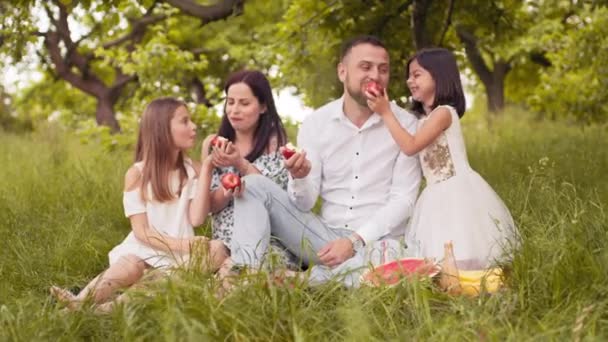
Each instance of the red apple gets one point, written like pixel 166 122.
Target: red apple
pixel 230 181
pixel 218 141
pixel 374 88
pixel 289 150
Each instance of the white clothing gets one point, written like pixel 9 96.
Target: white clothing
pixel 458 205
pixel 168 218
pixel 367 185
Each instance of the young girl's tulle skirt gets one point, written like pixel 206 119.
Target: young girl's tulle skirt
pixel 467 211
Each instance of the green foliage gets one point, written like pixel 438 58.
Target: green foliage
pixel 311 35
pixel 8 121
pixel 174 53
pixel 577 82
pixel 54 100
pixel 60 213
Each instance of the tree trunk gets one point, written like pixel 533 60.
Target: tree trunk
pixel 495 86
pixel 198 90
pixel 74 66
pixel 495 93
pixel 493 79
pixel 105 113
pixel 418 23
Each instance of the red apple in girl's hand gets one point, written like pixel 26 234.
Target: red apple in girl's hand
pixel 374 88
pixel 230 181
pixel 289 150
pixel 218 141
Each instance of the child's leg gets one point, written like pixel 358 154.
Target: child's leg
pixel 124 273
pixel 218 253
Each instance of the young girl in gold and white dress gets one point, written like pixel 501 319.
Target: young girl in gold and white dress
pixel 457 204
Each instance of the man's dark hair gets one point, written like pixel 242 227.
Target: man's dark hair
pixel 358 40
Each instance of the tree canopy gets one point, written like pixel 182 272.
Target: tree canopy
pixel 101 61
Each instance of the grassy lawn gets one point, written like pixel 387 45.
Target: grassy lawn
pixel 61 212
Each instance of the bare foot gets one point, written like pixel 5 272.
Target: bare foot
pixel 65 297
pixel 105 308
pixel 225 275
pixel 286 278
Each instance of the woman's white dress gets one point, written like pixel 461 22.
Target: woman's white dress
pixel 168 218
pixel 457 204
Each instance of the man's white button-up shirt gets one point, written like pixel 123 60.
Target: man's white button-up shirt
pixel 365 182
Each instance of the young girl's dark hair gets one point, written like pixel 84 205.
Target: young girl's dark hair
pixel 269 124
pixel 441 64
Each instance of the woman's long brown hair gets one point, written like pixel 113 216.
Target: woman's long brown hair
pixel 155 147
pixel 269 124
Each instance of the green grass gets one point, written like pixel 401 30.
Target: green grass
pixel 61 212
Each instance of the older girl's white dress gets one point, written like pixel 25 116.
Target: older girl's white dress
pixel 457 204
pixel 168 218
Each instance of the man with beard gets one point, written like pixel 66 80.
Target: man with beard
pixel 348 158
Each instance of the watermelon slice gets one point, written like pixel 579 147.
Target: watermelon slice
pixel 391 273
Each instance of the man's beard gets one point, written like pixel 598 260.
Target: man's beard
pixel 357 95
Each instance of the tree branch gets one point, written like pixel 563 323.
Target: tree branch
pixel 474 55
pixel 138 28
pixel 209 13
pixel 418 23
pixel 92 86
pixel 393 14
pixel 49 13
pixel 121 79
pixel 448 22
pixel 540 59
pixel 72 57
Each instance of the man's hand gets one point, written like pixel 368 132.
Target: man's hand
pixel 297 165
pixel 336 252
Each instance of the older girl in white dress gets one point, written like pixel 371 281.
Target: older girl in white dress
pixel 456 204
pixel 165 196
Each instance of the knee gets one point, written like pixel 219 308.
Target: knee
pixel 255 182
pixel 258 185
pixel 133 265
pixel 217 253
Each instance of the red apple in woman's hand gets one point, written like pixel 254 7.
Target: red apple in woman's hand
pixel 218 141
pixel 289 150
pixel 374 88
pixel 230 181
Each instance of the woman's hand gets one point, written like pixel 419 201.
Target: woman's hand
pixel 236 192
pixel 378 102
pixel 226 155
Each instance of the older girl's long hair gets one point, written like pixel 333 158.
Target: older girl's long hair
pixel 155 148
pixel 269 124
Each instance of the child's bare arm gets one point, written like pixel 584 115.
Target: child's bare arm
pixel 148 235
pixel 439 120
pixel 200 205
